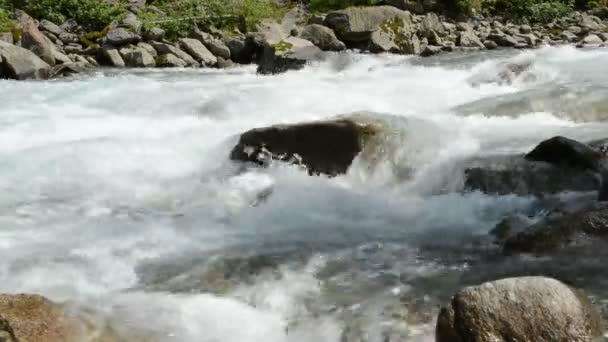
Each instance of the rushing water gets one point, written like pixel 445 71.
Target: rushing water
pixel 117 195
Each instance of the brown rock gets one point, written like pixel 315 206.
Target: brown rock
pixel 324 147
pixel 518 309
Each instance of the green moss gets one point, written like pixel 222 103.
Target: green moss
pixel 91 38
pixel 396 29
pixel 282 46
pixel 17 33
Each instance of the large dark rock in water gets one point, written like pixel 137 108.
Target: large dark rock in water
pixel 514 174
pixel 324 147
pixel 567 152
pixel 573 229
pixel 518 309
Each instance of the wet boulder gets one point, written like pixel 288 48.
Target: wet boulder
pixel 571 229
pixel 514 174
pixel 566 152
pixel 324 147
pixel 31 318
pixel 20 64
pixel 518 309
pixel 289 54
pixel 355 25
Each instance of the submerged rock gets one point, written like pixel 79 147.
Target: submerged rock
pixel 518 309
pixel 20 64
pixel 324 147
pixel 570 229
pixel 515 175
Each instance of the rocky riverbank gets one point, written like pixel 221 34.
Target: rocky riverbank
pixel 42 49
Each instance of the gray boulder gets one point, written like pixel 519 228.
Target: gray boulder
pixel 149 48
pixel 490 45
pixel 137 57
pixel 121 36
pixel 323 37
pixel 214 45
pixel 68 38
pixel 431 24
pixel 131 22
pixel 20 64
pixel 356 24
pixel 568 36
pixel 592 39
pixel 290 54
pixel 169 60
pixel 110 56
pixel 398 36
pixel 197 50
pixel 503 40
pixel 68 69
pixel 155 33
pixel 306 144
pixel 469 39
pixel 168 49
pixel 431 50
pixel 33 40
pixel 48 26
pixel 590 23
pixel 518 309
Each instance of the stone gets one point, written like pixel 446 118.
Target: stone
pixel 137 57
pixel 121 36
pixel 323 37
pixel 6 37
pixel 69 25
pixel 434 38
pixel 490 45
pixel 290 54
pixel 294 18
pixel 449 26
pixel 224 63
pixel 33 40
pixel 155 33
pixel 589 23
pixel 149 48
pixel 242 49
pixel 271 31
pixel 469 39
pixel 568 36
pixel 60 58
pixel 566 152
pixel 356 24
pixel 168 49
pixel 592 39
pixel 170 61
pixel 525 29
pixel 575 29
pixel 504 175
pixel 571 229
pixel 397 35
pixel 110 56
pixel 29 318
pixel 50 27
pixel 306 144
pixel 430 50
pixel 463 27
pixel 131 22
pixel 518 309
pixel 503 40
pixel 71 68
pixel 214 45
pixel 68 38
pixel 20 64
pixel 603 36
pixel 198 50
pixel 431 25
pixel 72 48
pixel 529 39
pixel 448 46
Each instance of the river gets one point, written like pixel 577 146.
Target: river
pixel 117 195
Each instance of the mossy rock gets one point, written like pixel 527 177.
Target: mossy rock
pixel 282 46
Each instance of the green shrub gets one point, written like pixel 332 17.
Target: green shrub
pixel 536 11
pixel 327 5
pixel 93 14
pixel 545 12
pixel 6 21
pixel 181 16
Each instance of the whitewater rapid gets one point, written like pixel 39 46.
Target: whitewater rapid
pixel 117 194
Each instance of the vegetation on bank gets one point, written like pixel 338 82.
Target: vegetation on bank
pixel 179 17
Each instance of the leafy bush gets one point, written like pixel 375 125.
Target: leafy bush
pixel 181 16
pixel 93 14
pixel 6 21
pixel 327 5
pixel 541 11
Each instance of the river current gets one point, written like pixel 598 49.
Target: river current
pixel 118 199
